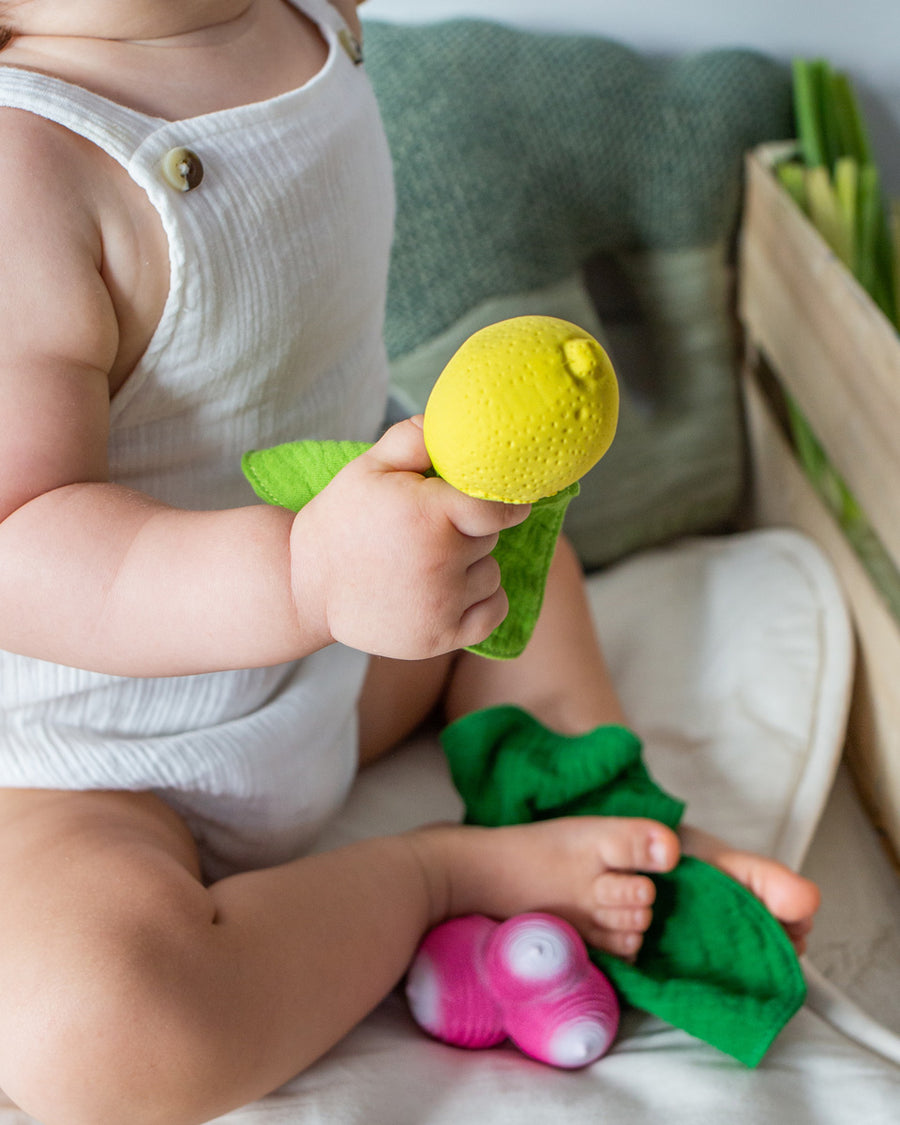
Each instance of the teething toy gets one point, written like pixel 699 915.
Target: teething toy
pixel 476 982
pixel 522 410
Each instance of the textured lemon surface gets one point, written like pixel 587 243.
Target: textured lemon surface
pixel 522 410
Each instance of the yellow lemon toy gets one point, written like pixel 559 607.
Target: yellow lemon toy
pixel 519 414
pixel 522 410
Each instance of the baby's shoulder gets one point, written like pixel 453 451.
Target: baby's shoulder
pixel 44 160
pixel 46 198
pixel 32 145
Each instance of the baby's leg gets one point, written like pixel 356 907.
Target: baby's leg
pixel 563 680
pixel 132 992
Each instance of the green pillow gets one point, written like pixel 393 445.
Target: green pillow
pixel 532 168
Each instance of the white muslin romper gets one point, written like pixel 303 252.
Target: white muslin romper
pixel 272 332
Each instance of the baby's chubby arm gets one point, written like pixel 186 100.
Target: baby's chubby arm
pixel 98 576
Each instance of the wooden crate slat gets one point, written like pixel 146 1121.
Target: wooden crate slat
pixel 833 349
pixel 782 496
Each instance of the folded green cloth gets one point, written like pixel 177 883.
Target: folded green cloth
pixel 290 475
pixel 714 961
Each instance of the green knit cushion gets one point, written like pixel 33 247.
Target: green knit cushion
pixel 520 155
pixel 521 158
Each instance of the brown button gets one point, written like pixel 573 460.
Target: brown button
pixel 351 45
pixel 182 168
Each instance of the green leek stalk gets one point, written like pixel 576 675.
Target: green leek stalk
pixel 841 191
pixel 836 183
pixel 895 256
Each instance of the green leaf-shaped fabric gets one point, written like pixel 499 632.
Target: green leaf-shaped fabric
pixel 290 475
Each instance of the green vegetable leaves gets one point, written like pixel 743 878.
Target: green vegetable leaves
pixel 836 182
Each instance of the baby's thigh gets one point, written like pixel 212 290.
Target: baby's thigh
pixel 56 844
pixel 86 880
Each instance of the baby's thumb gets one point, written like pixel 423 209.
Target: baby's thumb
pixel 402 448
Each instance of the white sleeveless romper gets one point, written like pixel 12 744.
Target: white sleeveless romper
pixel 272 332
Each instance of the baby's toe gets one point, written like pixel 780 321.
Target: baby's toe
pixel 798 932
pixel 615 889
pixel 630 844
pixel 791 897
pixel 634 920
pixel 620 943
pixel 622 914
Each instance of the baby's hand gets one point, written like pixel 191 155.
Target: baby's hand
pixel 397 564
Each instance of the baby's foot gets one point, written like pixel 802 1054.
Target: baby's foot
pixel 585 869
pixel 790 897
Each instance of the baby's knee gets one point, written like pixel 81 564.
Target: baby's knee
pixel 106 1034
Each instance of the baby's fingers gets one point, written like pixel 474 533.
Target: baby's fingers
pixel 479 518
pixel 482 618
pixel 402 449
pixel 486 601
pixel 482 579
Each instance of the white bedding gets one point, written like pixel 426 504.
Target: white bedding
pixel 733 657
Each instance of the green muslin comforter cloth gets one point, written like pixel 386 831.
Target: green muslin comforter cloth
pixel 714 961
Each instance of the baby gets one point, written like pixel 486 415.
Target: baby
pixel 196 206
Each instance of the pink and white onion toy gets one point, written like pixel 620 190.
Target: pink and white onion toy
pixel 475 982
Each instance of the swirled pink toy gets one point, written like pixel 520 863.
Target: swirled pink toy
pixel 475 982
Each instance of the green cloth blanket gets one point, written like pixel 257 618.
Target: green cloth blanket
pixel 714 961
pixel 290 475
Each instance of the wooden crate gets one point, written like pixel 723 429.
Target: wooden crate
pixel 813 332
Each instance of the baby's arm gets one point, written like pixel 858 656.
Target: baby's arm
pixel 91 573
pixel 98 576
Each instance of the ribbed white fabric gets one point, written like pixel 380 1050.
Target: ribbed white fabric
pixel 271 332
